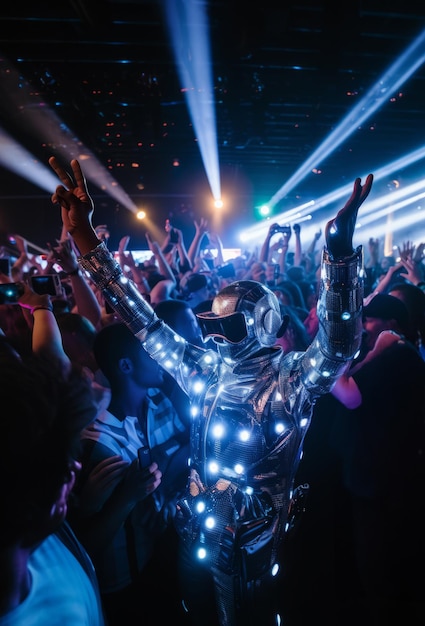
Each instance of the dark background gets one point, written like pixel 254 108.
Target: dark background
pixel 283 73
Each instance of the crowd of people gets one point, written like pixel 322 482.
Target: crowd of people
pixel 312 358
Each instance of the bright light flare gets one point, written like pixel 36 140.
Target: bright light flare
pixel 259 231
pixel 16 159
pixel 264 210
pixel 44 124
pixel 377 96
pixel 188 27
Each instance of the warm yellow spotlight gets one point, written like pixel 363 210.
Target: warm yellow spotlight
pixel 218 204
pixel 141 215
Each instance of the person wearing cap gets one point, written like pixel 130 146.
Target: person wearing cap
pixel 251 406
pixel 196 287
pixel 384 312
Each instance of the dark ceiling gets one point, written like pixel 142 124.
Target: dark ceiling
pixel 285 74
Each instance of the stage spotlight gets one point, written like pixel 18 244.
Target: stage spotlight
pixel 264 210
pixel 188 27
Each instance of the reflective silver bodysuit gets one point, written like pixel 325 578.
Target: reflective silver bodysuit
pixel 249 422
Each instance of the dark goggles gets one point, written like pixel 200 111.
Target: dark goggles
pixel 231 328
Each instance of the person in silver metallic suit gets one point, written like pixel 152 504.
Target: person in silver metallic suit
pixel 251 403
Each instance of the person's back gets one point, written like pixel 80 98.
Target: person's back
pixel 46 575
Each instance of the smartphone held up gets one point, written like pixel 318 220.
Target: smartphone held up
pixel 145 458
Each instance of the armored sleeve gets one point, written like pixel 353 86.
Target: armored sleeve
pixel 339 306
pixel 185 362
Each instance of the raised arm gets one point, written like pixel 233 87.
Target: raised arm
pixel 46 336
pixel 76 206
pixel 201 229
pixel 339 306
pixel 163 266
pixel 85 300
pixel 121 293
pixel 298 253
pixel 18 268
pixel 339 231
pixel 182 262
pixel 217 244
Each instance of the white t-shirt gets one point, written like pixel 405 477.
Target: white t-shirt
pixel 61 592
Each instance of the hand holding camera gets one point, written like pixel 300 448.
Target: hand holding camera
pixel 32 301
pixel 40 284
pixel 49 284
pixel 64 254
pixel 285 230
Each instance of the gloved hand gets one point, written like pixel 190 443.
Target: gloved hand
pixel 339 231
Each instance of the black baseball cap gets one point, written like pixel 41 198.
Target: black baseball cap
pixel 386 307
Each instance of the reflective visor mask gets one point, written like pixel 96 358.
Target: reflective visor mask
pixel 231 328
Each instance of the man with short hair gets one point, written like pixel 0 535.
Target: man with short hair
pixel 125 513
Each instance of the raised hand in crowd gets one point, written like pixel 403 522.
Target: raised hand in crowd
pixel 298 252
pixel 285 233
pixel 25 262
pixel 102 232
pixel 46 336
pixel 201 229
pixel 373 246
pixel 414 271
pixel 175 252
pixel 216 244
pixel 409 251
pixel 18 268
pixel 64 255
pixel 126 259
pixel 310 255
pixel 85 301
pixel 160 260
pixel 410 267
pixel 339 231
pixel 130 268
pixel 76 206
